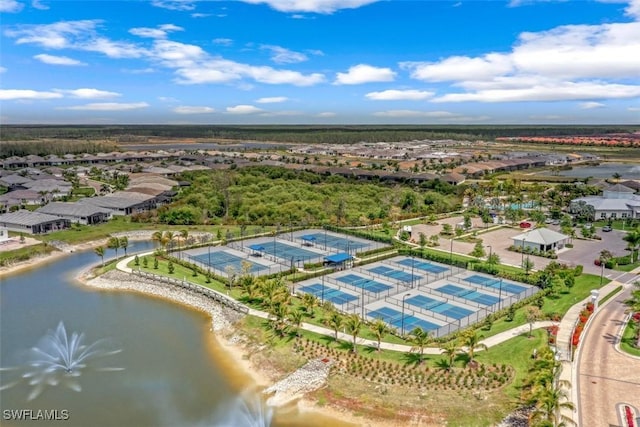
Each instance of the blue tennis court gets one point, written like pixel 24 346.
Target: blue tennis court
pixel 363 283
pixel 422 265
pixel 440 307
pixel 341 243
pixel 328 293
pixel 468 294
pixel 394 318
pixel 489 282
pixel 220 260
pixel 287 252
pixel 400 275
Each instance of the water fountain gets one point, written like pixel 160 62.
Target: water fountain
pixel 59 359
pixel 247 410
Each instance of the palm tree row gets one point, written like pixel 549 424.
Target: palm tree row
pixel 114 243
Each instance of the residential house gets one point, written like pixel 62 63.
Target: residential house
pixel 24 221
pixel 616 202
pixel 541 239
pixel 80 213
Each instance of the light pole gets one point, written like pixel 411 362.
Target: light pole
pixel 322 297
pixel 500 296
pixel 362 305
pixel 209 256
pixel 602 263
pixel 402 324
pixel 522 260
pixel 490 253
pixel 412 262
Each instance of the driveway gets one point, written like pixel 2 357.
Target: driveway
pixel 606 377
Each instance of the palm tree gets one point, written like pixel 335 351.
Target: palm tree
pixel 471 341
pixel 124 244
pixel 450 350
pixel 279 313
pixel 550 401
pixel 334 321
pixel 353 323
pixel 114 243
pixel 100 252
pixel 379 328
pixel 309 301
pixel 420 339
pixel 184 235
pixel 295 319
pixel 633 238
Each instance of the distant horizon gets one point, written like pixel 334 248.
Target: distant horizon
pixel 320 62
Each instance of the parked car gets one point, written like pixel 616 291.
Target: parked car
pixel 555 222
pixel 606 228
pixel 525 224
pixel 548 220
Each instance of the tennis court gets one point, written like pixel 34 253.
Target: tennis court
pixel 400 275
pixel 288 252
pixel 490 282
pixel 343 244
pixel 394 318
pixel 327 293
pixel 441 307
pixel 363 283
pixel 422 265
pixel 468 294
pixel 221 260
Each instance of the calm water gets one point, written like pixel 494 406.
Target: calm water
pixel 169 376
pixel 605 170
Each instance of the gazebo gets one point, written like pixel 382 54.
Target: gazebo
pixel 338 260
pixel 308 239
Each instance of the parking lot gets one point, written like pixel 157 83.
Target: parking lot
pixel 584 252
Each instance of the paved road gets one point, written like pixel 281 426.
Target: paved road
pixel 606 377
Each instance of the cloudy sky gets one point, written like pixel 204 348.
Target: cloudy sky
pixel 320 61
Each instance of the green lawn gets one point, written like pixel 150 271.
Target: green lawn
pixel 23 254
pixel 628 341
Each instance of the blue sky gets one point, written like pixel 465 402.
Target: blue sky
pixel 320 62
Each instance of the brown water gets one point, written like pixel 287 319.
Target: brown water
pixel 172 373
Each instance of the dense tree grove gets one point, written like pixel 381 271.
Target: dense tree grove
pixel 271 196
pixel 303 134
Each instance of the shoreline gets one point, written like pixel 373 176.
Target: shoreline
pixel 221 335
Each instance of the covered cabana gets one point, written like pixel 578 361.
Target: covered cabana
pixel 256 250
pixel 338 260
pixel 308 240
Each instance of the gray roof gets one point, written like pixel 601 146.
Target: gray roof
pixel 111 202
pixel 28 218
pixel 600 203
pixel 15 179
pixel 541 236
pixel 74 209
pixel 619 188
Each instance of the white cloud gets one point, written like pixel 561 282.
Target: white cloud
pixel 400 95
pixel 89 93
pixel 10 6
pixel 180 5
pixel 326 114
pixel 185 109
pixel 272 100
pixel 590 105
pixel 108 106
pixel 79 35
pixel 633 9
pixel 460 68
pixel 139 71
pixel 415 113
pixel 223 41
pixel 243 109
pixel 281 55
pixel 200 15
pixel 569 62
pixel 547 91
pixel 3 70
pixel 314 6
pixel 155 33
pixel 167 99
pixel 58 60
pixel 37 4
pixel 633 109
pixel 363 73
pixel 24 94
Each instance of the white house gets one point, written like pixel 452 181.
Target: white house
pixel 541 239
pixel 616 202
